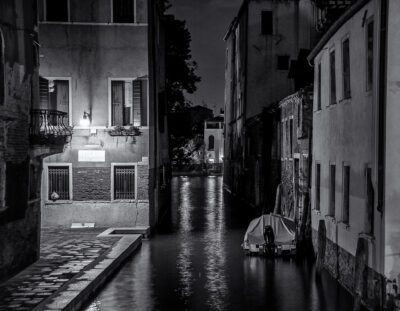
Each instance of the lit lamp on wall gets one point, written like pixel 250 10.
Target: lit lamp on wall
pixel 85 121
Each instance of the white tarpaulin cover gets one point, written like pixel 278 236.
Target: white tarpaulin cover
pixel 255 232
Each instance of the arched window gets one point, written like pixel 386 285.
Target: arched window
pixel 2 70
pixel 211 142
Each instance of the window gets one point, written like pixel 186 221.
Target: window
pixel 59 96
pixel 58 183
pixel 332 190
pixel 266 23
pixel 123 11
pixel 129 102
pixel 318 186
pixel 211 142
pixel 319 87
pixel 124 182
pixel 370 54
pixel 299 106
pixel 332 61
pixel 291 137
pixel 2 185
pixel 346 193
pixel 2 71
pixel 57 10
pixel 369 220
pixel 283 62
pixel 346 68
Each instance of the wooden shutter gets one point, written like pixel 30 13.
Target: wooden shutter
pixel 144 103
pixel 117 102
pixel 137 102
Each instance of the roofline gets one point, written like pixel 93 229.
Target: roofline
pixel 335 26
pixel 235 21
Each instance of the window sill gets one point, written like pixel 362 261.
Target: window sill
pixel 367 236
pixel 331 218
pixel 344 225
pixel 58 202
pixel 345 100
pixel 317 212
pixel 317 111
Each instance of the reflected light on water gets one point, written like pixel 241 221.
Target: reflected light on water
pixel 214 247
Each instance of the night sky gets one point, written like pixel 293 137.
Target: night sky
pixel 208 21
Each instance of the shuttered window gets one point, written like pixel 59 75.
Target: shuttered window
pixel 124 182
pixel 58 183
pixel 129 102
pixel 346 69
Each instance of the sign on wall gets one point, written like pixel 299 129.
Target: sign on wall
pixel 91 156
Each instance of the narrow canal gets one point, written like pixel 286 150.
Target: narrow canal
pixel 196 263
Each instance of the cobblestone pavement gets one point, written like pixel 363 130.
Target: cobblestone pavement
pixel 64 254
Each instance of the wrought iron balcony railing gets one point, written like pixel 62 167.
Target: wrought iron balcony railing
pixel 48 127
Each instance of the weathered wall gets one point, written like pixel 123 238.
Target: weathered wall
pixel 19 198
pixel 90 50
pixel 344 133
pixel 392 172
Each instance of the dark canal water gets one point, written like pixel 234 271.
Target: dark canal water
pixel 196 263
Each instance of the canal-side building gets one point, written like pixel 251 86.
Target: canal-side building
pixel 355 213
pixel 25 137
pixel 96 58
pixel 294 141
pixel 266 48
pixel 214 141
pixel 159 155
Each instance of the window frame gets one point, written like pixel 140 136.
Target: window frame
pixel 317 185
pixel 332 78
pixel 319 86
pixel 113 165
pixel 332 191
pixel 46 174
pixel 3 69
pixel 56 22
pixel 344 94
pixel 346 209
pixel 211 137
pixel 369 84
pixel 69 79
pixel 110 79
pixel 134 13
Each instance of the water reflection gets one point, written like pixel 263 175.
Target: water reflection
pixel 197 263
pixel 214 250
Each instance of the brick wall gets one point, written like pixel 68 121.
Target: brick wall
pixel 91 183
pixel 143 182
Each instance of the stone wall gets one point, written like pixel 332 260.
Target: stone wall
pixel 19 201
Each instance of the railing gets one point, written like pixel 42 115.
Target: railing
pixel 48 127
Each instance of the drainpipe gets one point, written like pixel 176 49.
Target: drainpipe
pixel 382 121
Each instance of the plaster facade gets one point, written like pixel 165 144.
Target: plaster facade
pixel 91 50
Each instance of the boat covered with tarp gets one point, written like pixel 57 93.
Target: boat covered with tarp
pixel 270 234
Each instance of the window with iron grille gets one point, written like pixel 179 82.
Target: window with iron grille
pixel 124 182
pixel 58 183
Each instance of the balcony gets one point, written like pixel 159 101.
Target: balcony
pixel 328 11
pixel 48 128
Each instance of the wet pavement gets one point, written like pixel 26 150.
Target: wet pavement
pixel 196 263
pixel 63 255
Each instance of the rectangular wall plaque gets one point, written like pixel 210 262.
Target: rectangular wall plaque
pixel 91 156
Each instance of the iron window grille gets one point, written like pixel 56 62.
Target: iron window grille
pixel 124 182
pixel 58 183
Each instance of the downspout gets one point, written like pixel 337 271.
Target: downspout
pixel 382 123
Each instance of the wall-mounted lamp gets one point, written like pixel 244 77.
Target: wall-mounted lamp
pixel 85 121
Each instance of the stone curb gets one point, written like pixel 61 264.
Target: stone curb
pixel 78 291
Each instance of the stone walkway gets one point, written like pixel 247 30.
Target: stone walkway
pixel 64 255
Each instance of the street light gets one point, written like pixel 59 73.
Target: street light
pixel 85 121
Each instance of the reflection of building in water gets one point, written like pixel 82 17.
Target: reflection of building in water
pixel 214 140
